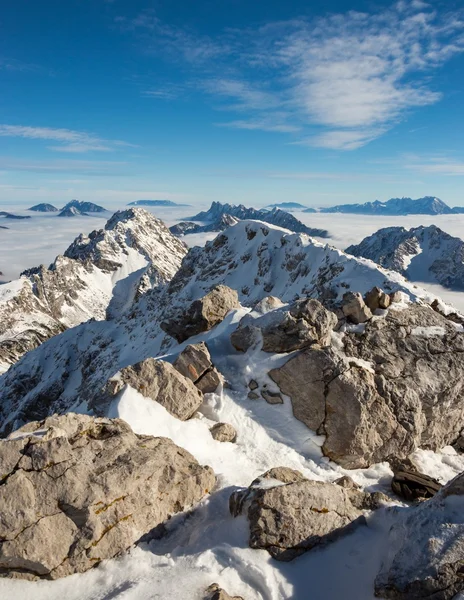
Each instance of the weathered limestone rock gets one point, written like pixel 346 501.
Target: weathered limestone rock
pixel 203 314
pixel 377 298
pixel 76 490
pixel 354 308
pixel 396 387
pixel 223 432
pixel 253 396
pixel 298 514
pixel 215 592
pixel 160 381
pixel 194 362
pixel 253 384
pixel 302 324
pixel 425 555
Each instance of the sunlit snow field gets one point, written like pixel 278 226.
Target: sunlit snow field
pixel 39 240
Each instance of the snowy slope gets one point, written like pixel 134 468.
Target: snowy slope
pixel 254 258
pixel 208 545
pixel 425 254
pixel 99 275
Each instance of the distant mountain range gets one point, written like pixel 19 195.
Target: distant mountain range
pixel 275 217
pixel 290 206
pixel 422 254
pixel 71 209
pixel 185 227
pixel 155 203
pixel 429 205
pixel 8 215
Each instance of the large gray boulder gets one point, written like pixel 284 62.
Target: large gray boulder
pixel 288 328
pixel 396 387
pixel 194 362
pixel 354 308
pixel 76 490
pixel 425 555
pixel 289 514
pixel 162 382
pixel 203 314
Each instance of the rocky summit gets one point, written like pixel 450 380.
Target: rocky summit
pixel 130 440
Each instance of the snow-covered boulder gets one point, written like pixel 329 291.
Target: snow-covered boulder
pixel 425 549
pixel 289 514
pixel 76 490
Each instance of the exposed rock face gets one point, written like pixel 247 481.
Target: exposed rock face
pixel 203 314
pixel 80 490
pixel 195 363
pixel 160 381
pixel 395 388
pixel 214 592
pixel 302 324
pixel 223 432
pixel 297 514
pixel 354 308
pixel 98 277
pixel 426 549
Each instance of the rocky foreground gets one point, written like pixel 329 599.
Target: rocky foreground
pixel 311 409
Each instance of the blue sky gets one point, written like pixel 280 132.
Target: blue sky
pixel 270 100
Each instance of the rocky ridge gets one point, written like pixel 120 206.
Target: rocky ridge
pixel 425 254
pixel 98 276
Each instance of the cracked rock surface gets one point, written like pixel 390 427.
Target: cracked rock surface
pixel 75 490
pixel 393 388
pixel 289 514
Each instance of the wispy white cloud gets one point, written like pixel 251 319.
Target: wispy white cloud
pixel 433 165
pixel 69 140
pixel 344 80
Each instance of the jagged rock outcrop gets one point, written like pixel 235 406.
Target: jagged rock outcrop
pixel 421 254
pixel 377 298
pixel 297 514
pixel 275 217
pixel 299 325
pixel 185 227
pixel 98 276
pixel 76 490
pixel 425 554
pixel 203 314
pixel 223 432
pixel 195 363
pixel 395 387
pixel 160 381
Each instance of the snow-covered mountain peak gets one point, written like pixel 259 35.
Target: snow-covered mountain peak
pixel 425 254
pixel 99 276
